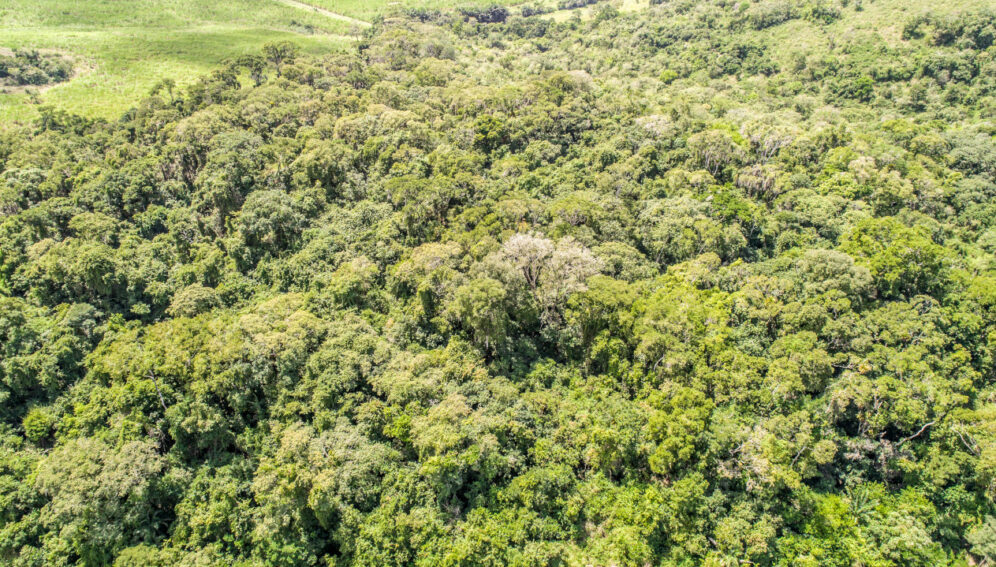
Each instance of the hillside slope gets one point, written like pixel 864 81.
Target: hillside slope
pixel 703 283
pixel 124 47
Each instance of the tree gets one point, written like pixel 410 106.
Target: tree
pixel 491 14
pixel 677 427
pixel 715 149
pixel 101 499
pixel 479 306
pixel 677 229
pixel 255 65
pixel 228 175
pixel 279 53
pixel 983 540
pixel 167 84
pixel 193 300
pixel 269 222
pixel 903 260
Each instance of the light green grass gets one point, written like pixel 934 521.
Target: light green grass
pixel 886 18
pixel 590 11
pixel 125 46
pixel 371 9
pixel 103 14
pixel 879 22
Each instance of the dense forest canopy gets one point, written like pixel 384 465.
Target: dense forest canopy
pixel 640 289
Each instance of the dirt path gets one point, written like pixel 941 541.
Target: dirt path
pixel 326 13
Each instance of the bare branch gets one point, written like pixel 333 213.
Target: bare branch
pixel 918 433
pixel 155 382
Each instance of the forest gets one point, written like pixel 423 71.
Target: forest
pixel 709 283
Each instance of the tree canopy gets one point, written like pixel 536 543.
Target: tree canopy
pixel 493 289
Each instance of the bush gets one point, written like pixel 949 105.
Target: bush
pixel 493 14
pixel 855 88
pixel 534 10
pixel 31 68
pixel 823 14
pixel 575 4
pixel 38 425
pixel 769 15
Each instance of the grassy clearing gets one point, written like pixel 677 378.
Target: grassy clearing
pixel 369 10
pixel 170 14
pixel 887 17
pixel 123 47
pixel 588 12
pixel 879 23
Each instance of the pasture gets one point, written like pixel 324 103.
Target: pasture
pixel 123 47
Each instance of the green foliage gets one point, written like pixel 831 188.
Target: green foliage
pixel 902 261
pixel 193 300
pixel 38 425
pixel 104 59
pixel 498 287
pixel 280 53
pixel 29 67
pixel 983 540
pixel 480 306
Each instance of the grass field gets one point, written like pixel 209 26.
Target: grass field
pixel 371 9
pixel 590 11
pixel 123 47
